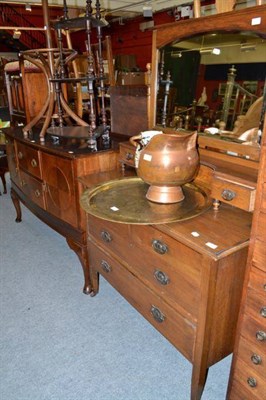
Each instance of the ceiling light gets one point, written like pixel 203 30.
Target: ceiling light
pixel 16 34
pixel 27 7
pixel 216 51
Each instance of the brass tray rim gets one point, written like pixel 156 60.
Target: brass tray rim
pixel 90 192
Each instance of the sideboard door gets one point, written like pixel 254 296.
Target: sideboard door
pixel 58 177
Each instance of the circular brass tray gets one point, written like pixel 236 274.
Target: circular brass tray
pixel 124 201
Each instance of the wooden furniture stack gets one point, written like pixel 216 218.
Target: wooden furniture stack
pixel 248 374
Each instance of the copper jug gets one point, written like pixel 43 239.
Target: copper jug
pixel 167 162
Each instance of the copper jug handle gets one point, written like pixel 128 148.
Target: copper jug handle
pixel 134 140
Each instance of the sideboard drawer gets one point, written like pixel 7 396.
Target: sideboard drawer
pixel 177 329
pixel 33 188
pixel 235 194
pixel 28 159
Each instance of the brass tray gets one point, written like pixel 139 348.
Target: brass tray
pixel 124 201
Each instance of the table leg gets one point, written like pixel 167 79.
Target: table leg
pixel 16 203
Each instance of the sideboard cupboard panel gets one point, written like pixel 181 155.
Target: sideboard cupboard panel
pixel 60 190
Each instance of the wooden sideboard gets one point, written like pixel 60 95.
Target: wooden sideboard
pixel 248 373
pixel 44 178
pixel 185 278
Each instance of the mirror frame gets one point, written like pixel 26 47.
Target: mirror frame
pixel 233 21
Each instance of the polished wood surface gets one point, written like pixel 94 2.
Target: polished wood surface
pixel 185 278
pixel 45 179
pixel 248 373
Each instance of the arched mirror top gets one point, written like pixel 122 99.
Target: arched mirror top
pixel 195 36
pixel 236 21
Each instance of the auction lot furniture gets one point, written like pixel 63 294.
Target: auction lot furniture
pixel 184 277
pixel 44 178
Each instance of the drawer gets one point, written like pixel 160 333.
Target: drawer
pixel 252 356
pixel 235 194
pixel 112 236
pixel 256 305
pixel 251 381
pixel 257 281
pixel 255 332
pixel 127 154
pixel 33 188
pixel 177 329
pixel 29 159
pixel 169 267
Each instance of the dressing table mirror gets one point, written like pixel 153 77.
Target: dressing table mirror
pixel 194 100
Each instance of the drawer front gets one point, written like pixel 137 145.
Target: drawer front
pixel 28 159
pixel 171 268
pixel 255 331
pixel 257 281
pixel 237 195
pixel 256 305
pixel 252 356
pixel 113 237
pixel 127 154
pixel 32 188
pixel 239 392
pixel 259 255
pixel 253 383
pixel 178 330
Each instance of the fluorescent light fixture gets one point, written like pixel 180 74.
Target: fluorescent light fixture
pixel 147 11
pixel 176 54
pixel 247 47
pixel 16 34
pixel 216 51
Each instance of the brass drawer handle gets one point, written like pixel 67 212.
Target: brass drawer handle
pixel 34 163
pixel 252 382
pixel 261 336
pixel 264 287
pixel 105 266
pixel 23 183
pixel 157 314
pixel 256 359
pixel 106 237
pixel 159 246
pixel 20 155
pixel 228 194
pixel 263 312
pixel 129 156
pixel 37 193
pixel 161 277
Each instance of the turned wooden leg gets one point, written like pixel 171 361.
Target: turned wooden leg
pixel 82 254
pixel 199 377
pixel 16 203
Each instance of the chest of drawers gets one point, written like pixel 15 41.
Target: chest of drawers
pixel 248 372
pixel 185 278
